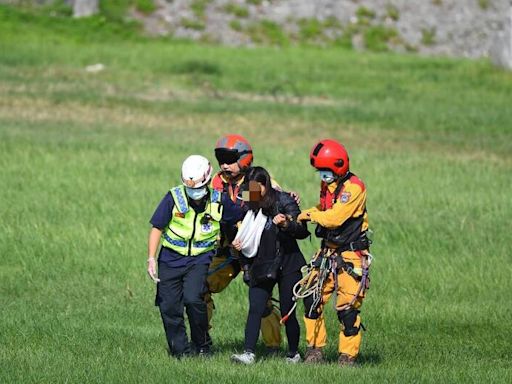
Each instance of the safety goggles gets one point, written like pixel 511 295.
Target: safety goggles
pixel 226 156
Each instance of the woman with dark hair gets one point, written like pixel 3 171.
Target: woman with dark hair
pixel 277 259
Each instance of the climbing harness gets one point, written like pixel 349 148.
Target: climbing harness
pixel 324 262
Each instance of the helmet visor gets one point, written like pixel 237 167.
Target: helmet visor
pixel 226 156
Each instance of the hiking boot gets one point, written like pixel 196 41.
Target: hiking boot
pixel 293 358
pixel 346 360
pixel 313 356
pixel 246 358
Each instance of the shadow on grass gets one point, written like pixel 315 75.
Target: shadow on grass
pixel 237 346
pixel 364 359
pixel 228 346
pixel 369 359
pixel 331 356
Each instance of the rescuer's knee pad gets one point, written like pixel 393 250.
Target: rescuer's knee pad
pixel 348 318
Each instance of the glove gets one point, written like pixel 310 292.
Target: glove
pixel 304 216
pixel 152 269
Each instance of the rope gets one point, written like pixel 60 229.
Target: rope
pixel 312 284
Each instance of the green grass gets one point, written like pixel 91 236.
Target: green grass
pixel 377 37
pixel 236 10
pixel 428 36
pixel 192 24
pixel 85 158
pixel 365 13
pixel 145 6
pixel 199 7
pixel 310 30
pixel 267 32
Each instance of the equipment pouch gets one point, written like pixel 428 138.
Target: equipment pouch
pixel 265 271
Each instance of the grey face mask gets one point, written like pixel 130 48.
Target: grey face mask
pixel 327 176
pixel 196 193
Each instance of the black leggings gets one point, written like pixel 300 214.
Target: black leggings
pixel 258 298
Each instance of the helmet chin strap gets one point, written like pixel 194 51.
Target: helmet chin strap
pixel 342 179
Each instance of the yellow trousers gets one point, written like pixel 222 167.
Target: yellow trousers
pixel 222 272
pixel 347 287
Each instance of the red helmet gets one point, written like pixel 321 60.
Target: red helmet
pixel 234 149
pixel 331 155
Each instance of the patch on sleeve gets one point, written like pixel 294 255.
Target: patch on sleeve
pixel 345 196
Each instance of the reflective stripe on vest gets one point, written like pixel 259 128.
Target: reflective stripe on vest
pixel 180 199
pixel 190 233
pixel 216 196
pixel 179 243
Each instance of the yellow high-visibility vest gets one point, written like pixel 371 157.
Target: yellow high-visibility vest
pixel 190 233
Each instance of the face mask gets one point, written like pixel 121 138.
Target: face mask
pixel 196 193
pixel 327 176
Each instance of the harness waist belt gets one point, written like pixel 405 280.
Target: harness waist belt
pixel 357 245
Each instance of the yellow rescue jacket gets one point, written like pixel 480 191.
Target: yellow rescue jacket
pixel 342 211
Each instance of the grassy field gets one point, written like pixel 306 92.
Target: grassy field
pixel 85 158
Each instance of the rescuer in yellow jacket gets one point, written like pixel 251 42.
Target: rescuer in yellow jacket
pixel 187 224
pixel 341 264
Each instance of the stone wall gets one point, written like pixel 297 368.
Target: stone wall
pixel 460 28
pixel 464 28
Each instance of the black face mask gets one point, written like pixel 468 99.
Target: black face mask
pixel 226 156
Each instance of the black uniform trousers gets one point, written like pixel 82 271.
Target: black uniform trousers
pixel 183 288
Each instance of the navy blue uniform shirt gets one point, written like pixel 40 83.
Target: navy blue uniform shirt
pixel 231 214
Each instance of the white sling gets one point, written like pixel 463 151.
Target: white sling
pixel 250 232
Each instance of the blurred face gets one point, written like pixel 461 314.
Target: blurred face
pixel 253 196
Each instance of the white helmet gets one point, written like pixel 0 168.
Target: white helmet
pixel 196 171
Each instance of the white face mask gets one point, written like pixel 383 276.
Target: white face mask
pixel 196 193
pixel 327 176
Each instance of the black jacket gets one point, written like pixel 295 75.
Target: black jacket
pixel 283 239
